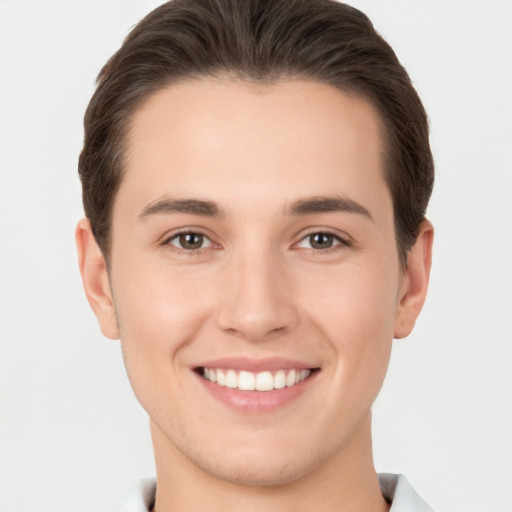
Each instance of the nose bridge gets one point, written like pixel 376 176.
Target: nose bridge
pixel 258 302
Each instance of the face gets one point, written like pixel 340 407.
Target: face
pixel 254 274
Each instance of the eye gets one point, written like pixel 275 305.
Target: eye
pixel 321 241
pixel 190 241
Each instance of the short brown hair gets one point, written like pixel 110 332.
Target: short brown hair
pixel 262 41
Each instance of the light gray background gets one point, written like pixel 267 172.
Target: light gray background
pixel 73 438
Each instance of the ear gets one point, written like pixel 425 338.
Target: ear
pixel 95 279
pixel 415 279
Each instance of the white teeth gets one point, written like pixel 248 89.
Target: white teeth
pixel 290 378
pixel 246 381
pixel 280 380
pixel 231 379
pixel 262 381
pixel 221 377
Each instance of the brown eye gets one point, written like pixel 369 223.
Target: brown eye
pixel 190 241
pixel 320 241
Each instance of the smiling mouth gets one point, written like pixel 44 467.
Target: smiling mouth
pixel 251 381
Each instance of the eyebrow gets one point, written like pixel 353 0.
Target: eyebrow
pixel 306 206
pixel 320 204
pixel 191 206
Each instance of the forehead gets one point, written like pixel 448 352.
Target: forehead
pixel 226 138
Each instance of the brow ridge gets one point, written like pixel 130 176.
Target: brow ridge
pixel 327 204
pixel 306 206
pixel 191 206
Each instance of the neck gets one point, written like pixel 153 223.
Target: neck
pixel 345 482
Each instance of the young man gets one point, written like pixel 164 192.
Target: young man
pixel 255 179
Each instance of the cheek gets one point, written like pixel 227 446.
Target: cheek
pixel 354 300
pixel 156 302
pixel 355 311
pixel 159 312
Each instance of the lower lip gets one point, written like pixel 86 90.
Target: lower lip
pixel 257 401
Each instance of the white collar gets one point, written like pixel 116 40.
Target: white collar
pixel 395 488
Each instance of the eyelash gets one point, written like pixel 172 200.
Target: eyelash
pixel 342 242
pixel 182 250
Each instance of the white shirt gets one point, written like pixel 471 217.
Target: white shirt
pixel 395 488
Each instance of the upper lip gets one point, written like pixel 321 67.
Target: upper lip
pixel 256 365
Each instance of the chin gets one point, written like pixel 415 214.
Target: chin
pixel 255 466
pixel 253 473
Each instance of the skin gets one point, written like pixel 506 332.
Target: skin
pixel 257 289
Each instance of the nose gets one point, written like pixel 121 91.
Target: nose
pixel 258 297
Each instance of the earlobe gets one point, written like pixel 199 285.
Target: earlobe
pixel 95 279
pixel 415 282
